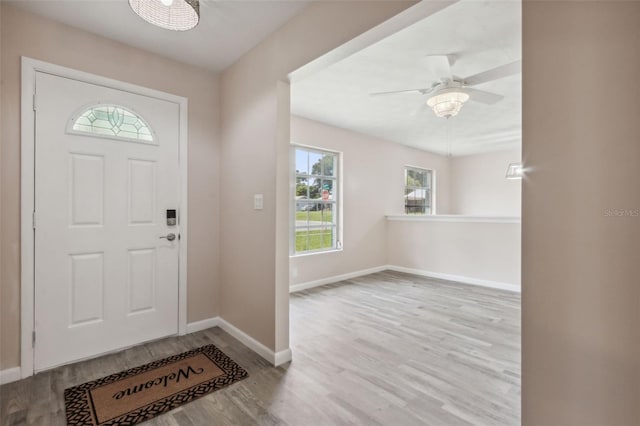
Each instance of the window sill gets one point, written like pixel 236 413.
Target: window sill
pixel 454 218
pixel 314 253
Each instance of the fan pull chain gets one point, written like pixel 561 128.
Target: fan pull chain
pixel 448 129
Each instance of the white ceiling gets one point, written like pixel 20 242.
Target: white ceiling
pixel 227 28
pixel 482 34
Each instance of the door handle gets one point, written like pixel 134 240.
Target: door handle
pixel 171 236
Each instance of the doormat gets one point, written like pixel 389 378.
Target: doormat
pixel 141 393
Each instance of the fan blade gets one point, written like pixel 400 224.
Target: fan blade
pixel 398 92
pixel 494 74
pixel 440 66
pixel 483 97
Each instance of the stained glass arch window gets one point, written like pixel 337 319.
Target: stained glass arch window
pixel 113 122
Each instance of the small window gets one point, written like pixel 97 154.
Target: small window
pixel 112 121
pixel 316 200
pixel 418 191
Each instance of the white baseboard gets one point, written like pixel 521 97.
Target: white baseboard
pixel 449 277
pixel 329 280
pixel 193 327
pixel 458 278
pixel 275 358
pixel 10 375
pixel 282 357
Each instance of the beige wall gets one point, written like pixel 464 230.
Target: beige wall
pixel 8 329
pixel 479 186
pixel 373 177
pixel 581 267
pixel 487 252
pixel 26 34
pixel 255 140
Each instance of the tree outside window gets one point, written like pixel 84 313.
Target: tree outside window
pixel 418 194
pixel 316 206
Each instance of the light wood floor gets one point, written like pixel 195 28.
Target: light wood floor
pixel 386 349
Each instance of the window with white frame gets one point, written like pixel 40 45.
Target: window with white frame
pixel 418 191
pixel 316 200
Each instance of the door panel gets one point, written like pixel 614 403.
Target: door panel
pixel 104 278
pixel 142 280
pixel 87 288
pixel 86 178
pixel 141 191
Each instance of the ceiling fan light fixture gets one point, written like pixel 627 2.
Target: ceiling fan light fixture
pixel 176 15
pixel 447 103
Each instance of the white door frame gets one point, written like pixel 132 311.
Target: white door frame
pixel 27 187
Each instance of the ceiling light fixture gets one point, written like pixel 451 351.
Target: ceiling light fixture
pixel 447 102
pixel 177 15
pixel 514 171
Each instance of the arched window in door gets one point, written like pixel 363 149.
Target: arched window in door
pixel 113 122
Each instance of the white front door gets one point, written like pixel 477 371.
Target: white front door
pixel 107 172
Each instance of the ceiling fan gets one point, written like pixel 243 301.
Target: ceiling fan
pixel 449 93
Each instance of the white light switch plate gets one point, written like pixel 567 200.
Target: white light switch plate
pixel 258 201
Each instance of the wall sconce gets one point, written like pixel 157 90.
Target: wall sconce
pixel 514 171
